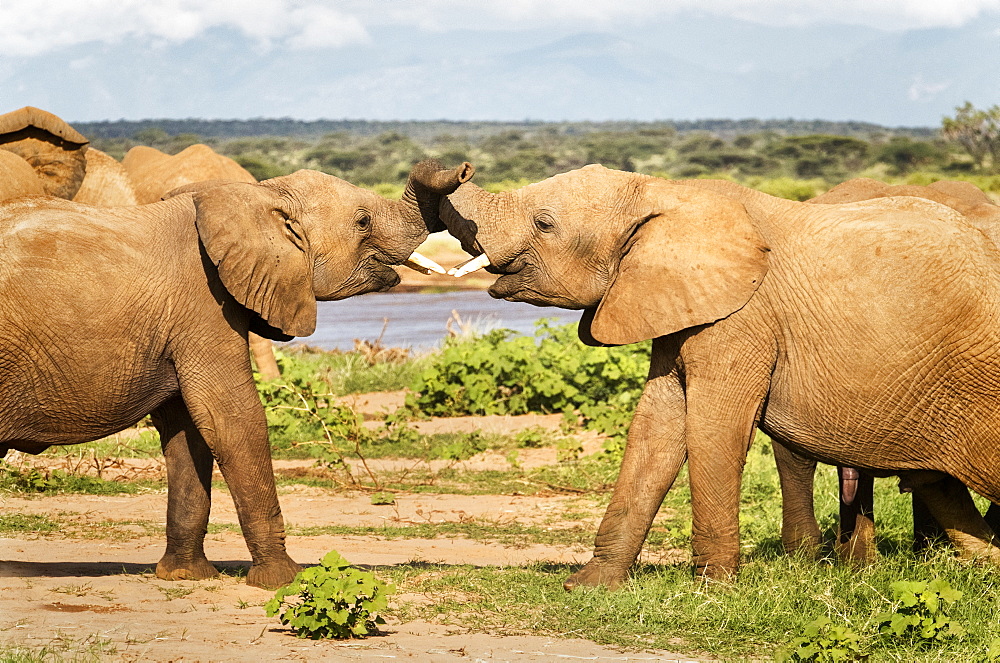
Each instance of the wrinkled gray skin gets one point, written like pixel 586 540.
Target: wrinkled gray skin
pixel 856 541
pixel 116 313
pixel 848 333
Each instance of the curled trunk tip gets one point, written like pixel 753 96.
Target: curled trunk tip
pixel 437 179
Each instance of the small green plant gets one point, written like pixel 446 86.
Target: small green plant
pixel 824 642
pixel 921 612
pixel 331 600
pixel 383 498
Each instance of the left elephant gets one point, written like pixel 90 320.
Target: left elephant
pixel 110 314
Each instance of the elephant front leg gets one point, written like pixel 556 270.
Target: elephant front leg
pixel 232 421
pixel 653 456
pixel 799 529
pixel 189 485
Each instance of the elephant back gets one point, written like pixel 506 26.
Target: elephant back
pixel 155 173
pixel 17 178
pixel 107 184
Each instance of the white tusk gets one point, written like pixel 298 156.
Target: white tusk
pixel 423 264
pixel 470 266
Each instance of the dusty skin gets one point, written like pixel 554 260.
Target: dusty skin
pixel 73 590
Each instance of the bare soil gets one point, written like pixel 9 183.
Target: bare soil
pixel 88 591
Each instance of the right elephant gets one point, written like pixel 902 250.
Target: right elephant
pixel 861 335
pixel 856 541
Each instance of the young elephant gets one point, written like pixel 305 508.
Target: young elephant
pixel 860 335
pixel 111 314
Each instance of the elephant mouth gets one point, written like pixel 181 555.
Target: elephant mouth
pixel 373 276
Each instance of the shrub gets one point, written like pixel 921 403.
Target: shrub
pixel 500 373
pixel 331 600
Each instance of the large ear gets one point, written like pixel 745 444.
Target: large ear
pixel 262 253
pixel 695 258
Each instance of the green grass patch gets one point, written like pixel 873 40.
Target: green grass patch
pixel 664 607
pixel 32 480
pixel 27 523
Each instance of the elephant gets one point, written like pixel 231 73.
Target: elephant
pixel 106 183
pixel 111 314
pixel 851 334
pixel 154 173
pixel 856 540
pixel 17 177
pixel 55 150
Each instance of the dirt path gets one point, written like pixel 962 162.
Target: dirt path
pixel 87 591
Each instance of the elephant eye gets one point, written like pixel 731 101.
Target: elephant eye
pixel 363 221
pixel 282 214
pixel 544 222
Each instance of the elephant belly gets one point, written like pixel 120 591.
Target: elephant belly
pixel 56 400
pixel 945 421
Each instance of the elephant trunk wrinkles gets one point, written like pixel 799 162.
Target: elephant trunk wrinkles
pixel 475 217
pixel 427 184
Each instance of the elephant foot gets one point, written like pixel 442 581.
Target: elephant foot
pixel 274 573
pixel 596 574
pixel 174 567
pixel 809 546
pixel 975 548
pixel 859 549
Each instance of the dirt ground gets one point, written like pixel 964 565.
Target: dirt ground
pixel 84 595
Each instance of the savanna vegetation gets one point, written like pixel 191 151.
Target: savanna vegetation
pixel 792 159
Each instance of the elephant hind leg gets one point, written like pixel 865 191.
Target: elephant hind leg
pixel 189 484
pixel 799 529
pixel 950 503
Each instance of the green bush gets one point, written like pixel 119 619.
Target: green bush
pixel 824 642
pixel 331 600
pixel 920 612
pixel 501 373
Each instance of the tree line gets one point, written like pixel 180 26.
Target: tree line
pixel 371 153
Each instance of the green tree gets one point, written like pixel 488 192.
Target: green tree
pixel 977 131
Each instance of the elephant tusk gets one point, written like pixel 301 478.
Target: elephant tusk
pixel 470 266
pixel 423 264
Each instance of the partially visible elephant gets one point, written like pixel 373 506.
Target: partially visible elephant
pixel 106 183
pixel 859 334
pixel 110 314
pixel 155 173
pixel 17 178
pixel 54 149
pixel 800 531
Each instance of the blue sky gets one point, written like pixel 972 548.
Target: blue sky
pixel 894 62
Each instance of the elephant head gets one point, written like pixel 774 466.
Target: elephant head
pixel 645 257
pixel 286 242
pixel 55 150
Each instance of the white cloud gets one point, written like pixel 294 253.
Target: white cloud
pixel 513 14
pixel 28 27
pixel 921 90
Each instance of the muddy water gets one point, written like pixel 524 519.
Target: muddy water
pixel 420 320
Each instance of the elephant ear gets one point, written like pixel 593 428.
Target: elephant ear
pixel 695 257
pixel 262 253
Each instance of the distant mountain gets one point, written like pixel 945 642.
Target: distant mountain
pixel 474 131
pixel 684 67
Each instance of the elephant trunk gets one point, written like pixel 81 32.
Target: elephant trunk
pixel 427 184
pixel 473 216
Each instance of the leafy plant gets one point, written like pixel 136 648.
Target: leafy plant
pixel 824 642
pixel 500 373
pixel 921 612
pixel 331 600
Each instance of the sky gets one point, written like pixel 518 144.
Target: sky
pixel 892 62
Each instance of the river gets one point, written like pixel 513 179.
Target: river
pixel 419 320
